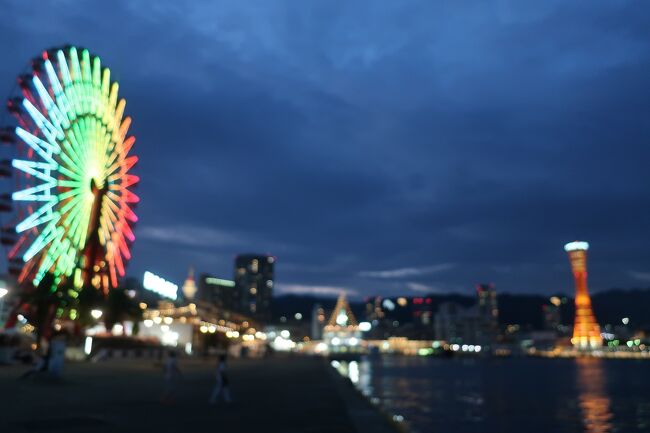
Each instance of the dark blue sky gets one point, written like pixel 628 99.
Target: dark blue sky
pixel 379 147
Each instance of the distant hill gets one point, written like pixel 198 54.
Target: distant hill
pixel 610 307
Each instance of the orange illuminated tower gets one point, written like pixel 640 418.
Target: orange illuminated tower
pixel 586 332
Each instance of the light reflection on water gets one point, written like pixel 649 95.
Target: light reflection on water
pixel 509 395
pixel 594 402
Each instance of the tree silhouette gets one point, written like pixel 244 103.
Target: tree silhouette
pixel 120 307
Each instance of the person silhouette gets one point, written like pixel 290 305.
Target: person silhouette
pixel 222 384
pixel 171 374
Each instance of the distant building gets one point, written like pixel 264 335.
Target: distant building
pixel 254 284
pixel 218 292
pixel 422 311
pixel 342 334
pixel 488 311
pixel 317 322
pixel 478 324
pixel 552 318
pixel 374 310
pixel 457 324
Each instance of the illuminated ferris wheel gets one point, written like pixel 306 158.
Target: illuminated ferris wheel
pixel 72 204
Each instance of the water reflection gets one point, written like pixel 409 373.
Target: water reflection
pixel 593 400
pixel 507 395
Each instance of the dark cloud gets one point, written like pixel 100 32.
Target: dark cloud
pixel 359 140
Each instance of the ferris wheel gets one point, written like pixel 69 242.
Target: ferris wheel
pixel 71 204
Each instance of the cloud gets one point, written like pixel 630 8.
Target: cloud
pixel 408 272
pixel 289 129
pixel 641 276
pixel 418 287
pixel 195 236
pixel 301 289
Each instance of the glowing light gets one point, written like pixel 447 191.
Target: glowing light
pixel 219 281
pixel 76 152
pixel 576 245
pixel 298 316
pixel 96 314
pixel 402 302
pixel 336 341
pixel 168 320
pixel 169 338
pixel 365 326
pixel 586 331
pixel 353 341
pixel 388 304
pixel 3 292
pixel 88 345
pixel 148 323
pixel 353 371
pixel 159 285
pixel 285 334
pixel 625 320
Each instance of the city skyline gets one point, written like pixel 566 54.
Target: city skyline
pixel 505 142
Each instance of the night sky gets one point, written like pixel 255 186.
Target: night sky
pixel 377 147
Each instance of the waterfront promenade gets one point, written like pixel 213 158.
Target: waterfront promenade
pixel 281 395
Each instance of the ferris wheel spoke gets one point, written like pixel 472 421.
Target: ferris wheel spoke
pixel 56 117
pixel 41 216
pixel 49 130
pixel 43 148
pixel 37 193
pixel 44 238
pixel 33 168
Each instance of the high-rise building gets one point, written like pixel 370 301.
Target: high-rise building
pixel 488 310
pixel 478 324
pixel 457 324
pixel 586 331
pixel 218 292
pixel 254 284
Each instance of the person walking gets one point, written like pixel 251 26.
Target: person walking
pixel 171 374
pixel 222 385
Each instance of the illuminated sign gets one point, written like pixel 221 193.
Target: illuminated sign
pixel 227 283
pixel 159 285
